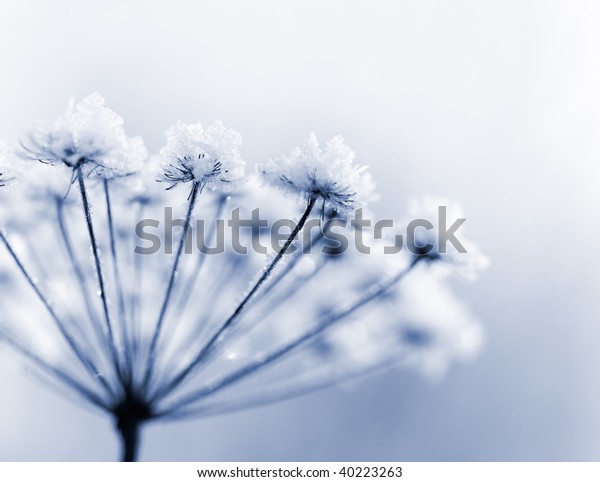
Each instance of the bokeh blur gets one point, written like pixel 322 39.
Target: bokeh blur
pixel 494 104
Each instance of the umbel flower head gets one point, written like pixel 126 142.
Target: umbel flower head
pixel 209 157
pixel 6 169
pixel 327 174
pixel 87 135
pixel 5 175
pixel 444 215
pixel 148 336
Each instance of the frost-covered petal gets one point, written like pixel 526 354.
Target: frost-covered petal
pixel 9 167
pixel 88 134
pixel 210 157
pixel 328 173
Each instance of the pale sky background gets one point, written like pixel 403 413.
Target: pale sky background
pixel 495 104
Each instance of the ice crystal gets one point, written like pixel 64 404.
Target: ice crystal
pixel 9 171
pixel 209 157
pixel 87 135
pixel 328 174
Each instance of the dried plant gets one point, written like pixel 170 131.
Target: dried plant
pixel 185 333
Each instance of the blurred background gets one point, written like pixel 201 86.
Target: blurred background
pixel 494 104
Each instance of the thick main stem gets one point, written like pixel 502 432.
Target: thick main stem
pixel 129 432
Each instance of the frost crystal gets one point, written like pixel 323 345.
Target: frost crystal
pixel 208 157
pixel 8 168
pixel 327 174
pixel 87 134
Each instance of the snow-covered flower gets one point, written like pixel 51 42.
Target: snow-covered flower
pixel 435 327
pixel 237 331
pixel 8 165
pixel 465 257
pixel 209 157
pixel 5 175
pixel 87 135
pixel 328 174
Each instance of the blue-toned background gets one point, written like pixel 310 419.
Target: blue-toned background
pixel 495 104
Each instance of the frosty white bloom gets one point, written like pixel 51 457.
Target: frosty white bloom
pixel 426 328
pixel 9 173
pixel 327 174
pixel 209 157
pixel 427 239
pixel 8 166
pixel 435 327
pixel 87 134
pixel 308 318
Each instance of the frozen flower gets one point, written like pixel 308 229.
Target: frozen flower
pixel 8 168
pixel 10 176
pixel 435 327
pixel 438 236
pixel 425 327
pixel 87 134
pixel 209 157
pixel 236 328
pixel 328 174
pixel 9 173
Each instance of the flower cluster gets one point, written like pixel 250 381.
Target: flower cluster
pixel 329 174
pixel 7 165
pixel 166 336
pixel 87 134
pixel 209 157
pixel 469 263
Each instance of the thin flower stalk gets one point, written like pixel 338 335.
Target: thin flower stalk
pixel 196 188
pixel 267 360
pixel 60 325
pixel 118 282
pixel 116 359
pixel 218 336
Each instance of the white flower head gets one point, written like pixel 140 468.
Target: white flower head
pixel 434 326
pixel 87 134
pixel 209 157
pixel 431 243
pixel 9 171
pixel 328 174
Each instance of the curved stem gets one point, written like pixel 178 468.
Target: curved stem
pixel 94 245
pixel 118 283
pixel 188 289
pixel 54 371
pixel 77 271
pixel 212 343
pixel 277 394
pixel 135 302
pixel 270 358
pixel 87 363
pixel 163 310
